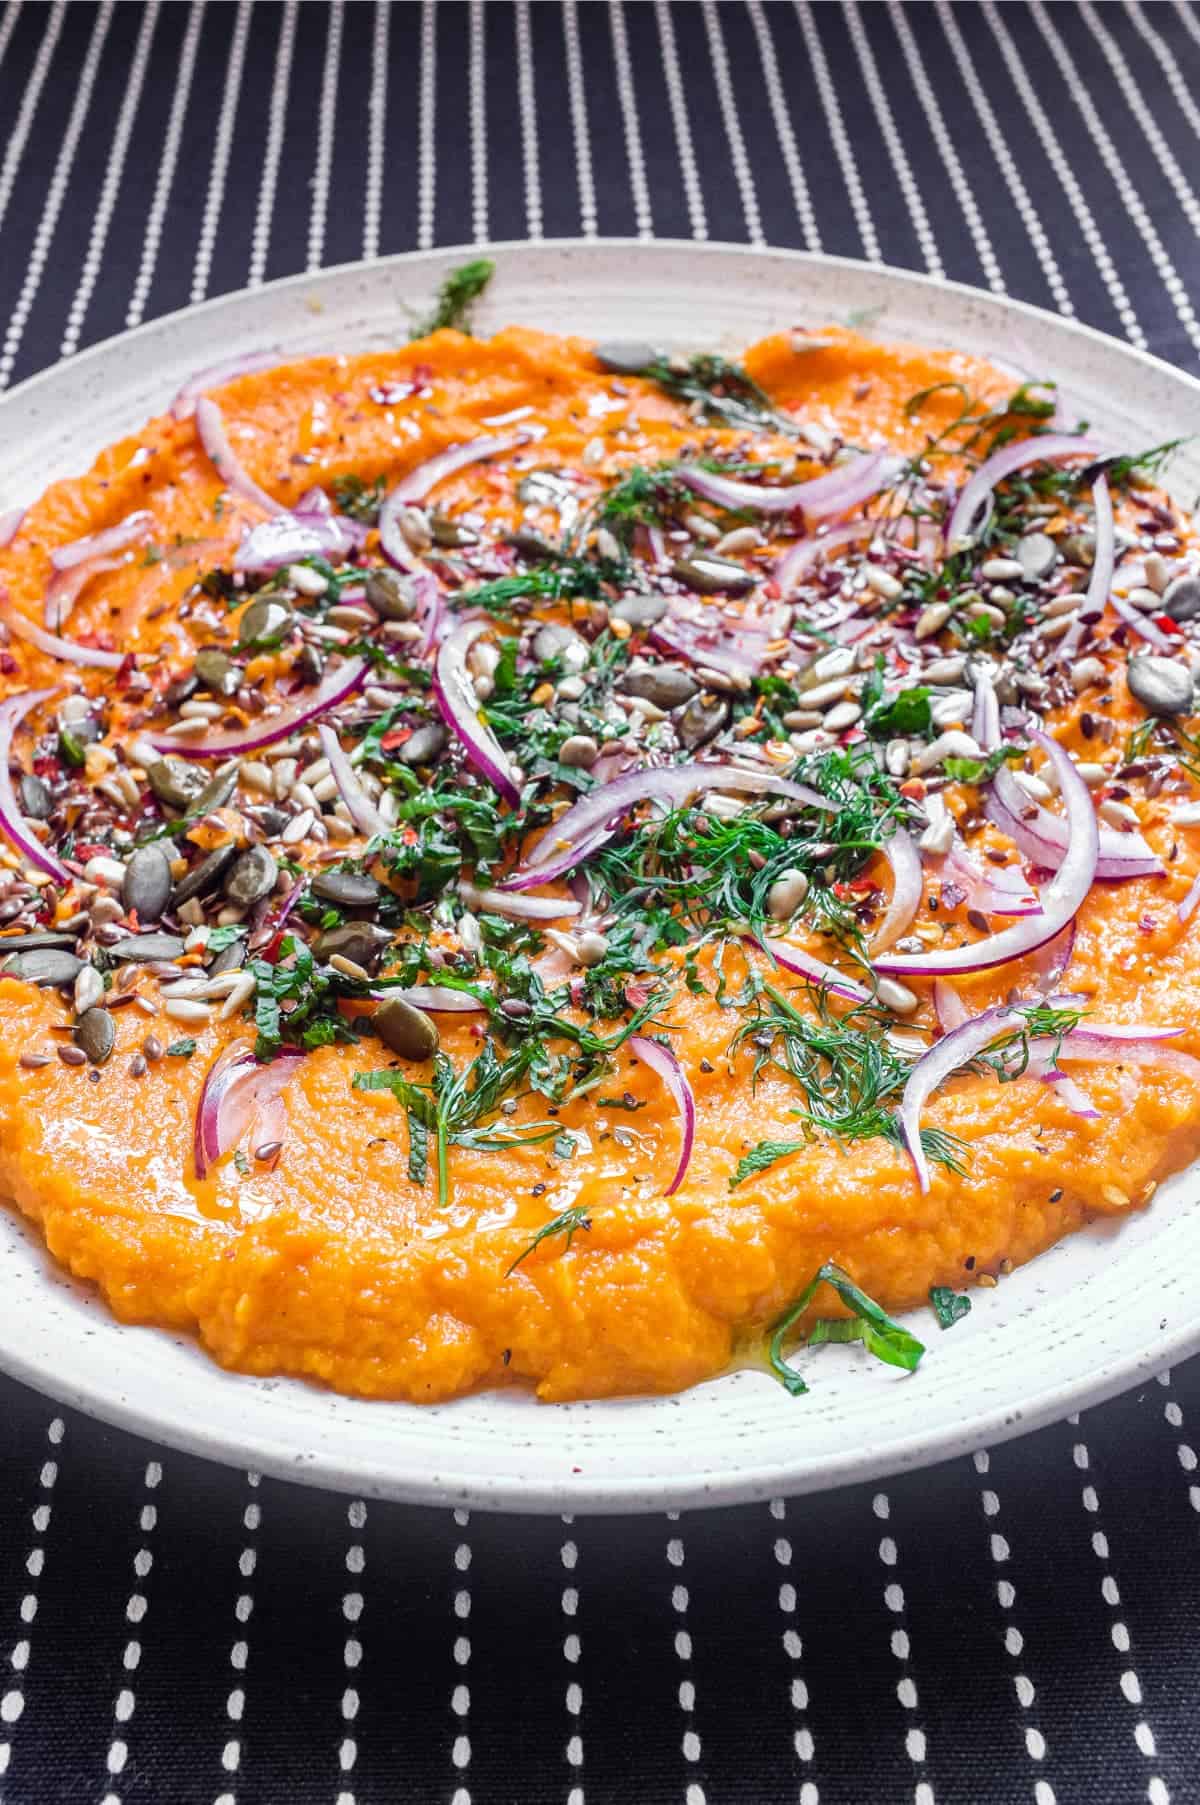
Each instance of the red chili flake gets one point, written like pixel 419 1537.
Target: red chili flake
pixel 409 836
pixel 914 787
pixel 396 737
pixel 125 670
pixel 1147 924
pixel 636 993
pixel 91 849
pixel 576 991
pixel 8 664
pixel 1167 625
pixel 771 589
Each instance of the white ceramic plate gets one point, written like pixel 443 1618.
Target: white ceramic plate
pixel 1088 1319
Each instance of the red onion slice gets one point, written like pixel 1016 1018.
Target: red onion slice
pixel 10 525
pixel 454 693
pixel 1043 837
pixel 217 375
pixel 1187 907
pixel 958 1048
pixel 1061 901
pixel 365 816
pixel 287 538
pixel 12 821
pixel 842 489
pixel 902 855
pixel 135 529
pixel 235 1087
pixel 435 999
pixel 66 586
pixel 1105 560
pixel 814 971
pixel 1048 448
pixel 665 1065
pixel 1144 626
pixel 335 686
pixel 210 427
pixel 588 822
pixel 948 1006
pixel 417 484
pixel 67 650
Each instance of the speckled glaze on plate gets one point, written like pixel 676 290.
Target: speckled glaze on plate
pixel 1091 1317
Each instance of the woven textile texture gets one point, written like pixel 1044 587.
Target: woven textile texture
pixel 1020 1627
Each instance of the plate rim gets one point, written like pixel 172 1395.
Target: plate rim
pixel 612 1493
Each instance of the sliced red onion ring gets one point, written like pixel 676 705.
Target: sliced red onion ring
pixel 287 538
pixel 133 530
pixel 365 816
pixel 844 488
pixel 948 1006
pixel 392 543
pixel 516 907
pixel 1053 959
pixel 587 823
pixel 902 855
pixel 430 600
pixel 66 586
pixel 454 693
pixel 945 1056
pixel 1047 448
pixel 815 971
pixel 12 822
pixel 10 525
pixel 1105 560
pixel 1000 891
pixel 1121 1045
pixel 334 687
pixel 985 716
pixel 1061 901
pixel 715 643
pixel 1143 626
pixel 1076 1100
pixel 184 404
pixel 417 484
pixel 801 557
pixel 1043 837
pixel 68 650
pixel 210 427
pixel 235 1087
pixel 666 1066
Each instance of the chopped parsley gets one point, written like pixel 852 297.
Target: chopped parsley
pixel 948 1306
pixel 870 1324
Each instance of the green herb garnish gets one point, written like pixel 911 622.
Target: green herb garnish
pixel 948 1306
pixel 870 1324
pixel 568 1223
pixel 456 297
pixel 181 1049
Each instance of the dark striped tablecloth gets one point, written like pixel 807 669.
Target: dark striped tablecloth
pixel 1023 1626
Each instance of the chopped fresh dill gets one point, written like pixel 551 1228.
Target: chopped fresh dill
pixel 358 498
pixel 456 297
pixel 568 1223
pixel 848 1071
pixel 568 577
pixel 719 391
pixel 870 1324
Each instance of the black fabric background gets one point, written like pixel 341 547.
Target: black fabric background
pixel 1017 1627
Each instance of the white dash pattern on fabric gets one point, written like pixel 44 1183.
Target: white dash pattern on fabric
pixel 951 161
pixel 906 1686
pixel 426 124
pixel 477 76
pixel 843 149
pixel 1128 1681
pixel 18 138
pixel 627 95
pixel 115 169
pixel 577 100
pixel 222 146
pixel 1184 1451
pixel 167 164
pixel 352 1652
pixel 743 174
pixel 793 1648
pixel 376 128
pixel 326 124
pixel 777 100
pixel 897 155
pixel 677 101
pixel 460 1698
pixel 1052 150
pixel 239 1653
pixel 572 1647
pixel 690 1744
pixel 999 146
pixel 1014 1642
pixel 64 163
pixel 268 184
pixel 527 103
pixel 12 1689
pixel 136 1608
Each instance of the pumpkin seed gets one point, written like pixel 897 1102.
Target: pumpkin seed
pixel 666 685
pixel 266 622
pixel 95 1032
pixel 701 721
pixel 423 745
pixel 147 949
pixel 35 937
pixel 217 671
pixel 230 958
pixel 405 1030
pixel 46 966
pixel 626 357
pixel 346 889
pixel 389 595
pixel 37 799
pixel 450 533
pixel 639 610
pixel 357 941
pixel 206 875
pixel 175 781
pixel 251 877
pixel 146 886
